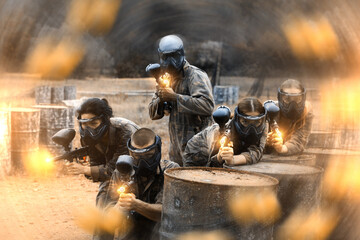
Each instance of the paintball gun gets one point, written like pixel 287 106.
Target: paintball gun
pixel 221 116
pixel 64 137
pixel 162 79
pixel 124 174
pixel 272 113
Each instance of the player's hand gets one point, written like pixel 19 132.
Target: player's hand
pixel 167 94
pixel 226 154
pixel 277 143
pixel 269 138
pixel 127 201
pixel 75 168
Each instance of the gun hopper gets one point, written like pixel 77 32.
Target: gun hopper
pixel 124 174
pixel 221 116
pixel 272 113
pixel 64 137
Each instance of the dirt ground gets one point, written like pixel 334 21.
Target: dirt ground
pixel 43 209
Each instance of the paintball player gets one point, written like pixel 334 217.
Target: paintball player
pixel 107 140
pixel 242 142
pixel 189 96
pixel 294 120
pixel 145 201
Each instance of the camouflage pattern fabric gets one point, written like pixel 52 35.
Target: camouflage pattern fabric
pixel 103 158
pixel 295 133
pixel 191 113
pixel 201 150
pixel 149 190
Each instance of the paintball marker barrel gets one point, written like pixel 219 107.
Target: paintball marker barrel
pixel 272 113
pixel 221 116
pixel 71 155
pixel 124 174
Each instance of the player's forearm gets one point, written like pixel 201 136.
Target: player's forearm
pixel 151 211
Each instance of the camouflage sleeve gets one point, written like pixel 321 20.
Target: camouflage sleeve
pixel 96 163
pixel 156 108
pixel 200 101
pixel 165 164
pixel 255 153
pixel 297 142
pixel 95 171
pixel 199 147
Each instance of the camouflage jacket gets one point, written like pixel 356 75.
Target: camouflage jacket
pixel 202 149
pixel 295 133
pixel 103 158
pixel 147 190
pixel 191 112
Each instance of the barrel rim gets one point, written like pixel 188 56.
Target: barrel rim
pixel 24 109
pixel 320 169
pixel 308 156
pixel 48 106
pixel 274 181
pixel 333 151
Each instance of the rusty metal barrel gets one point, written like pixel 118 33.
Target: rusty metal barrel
pixel 25 128
pixel 57 94
pixel 195 199
pixel 302 159
pixel 43 95
pixel 5 131
pixel 324 156
pixel 52 119
pixel 71 117
pixel 299 185
pixel 69 92
pixel 324 139
pixel 226 94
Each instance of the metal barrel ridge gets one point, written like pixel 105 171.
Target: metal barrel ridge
pixel 5 146
pixel 302 159
pixel 25 128
pixel 299 185
pixel 53 118
pixel 196 199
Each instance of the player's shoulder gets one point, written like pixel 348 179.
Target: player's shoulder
pixel 167 164
pixel 195 71
pixel 124 124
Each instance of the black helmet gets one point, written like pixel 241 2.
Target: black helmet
pixel 171 53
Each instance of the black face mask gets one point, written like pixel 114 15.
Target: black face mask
pixel 253 131
pixel 172 62
pixel 146 164
pixel 92 136
pixel 292 106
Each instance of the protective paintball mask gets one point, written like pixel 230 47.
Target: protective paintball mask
pixel 292 105
pixel 172 62
pixel 92 136
pixel 146 159
pixel 250 128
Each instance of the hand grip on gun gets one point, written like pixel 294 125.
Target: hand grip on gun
pixel 164 82
pixel 124 180
pixel 275 136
